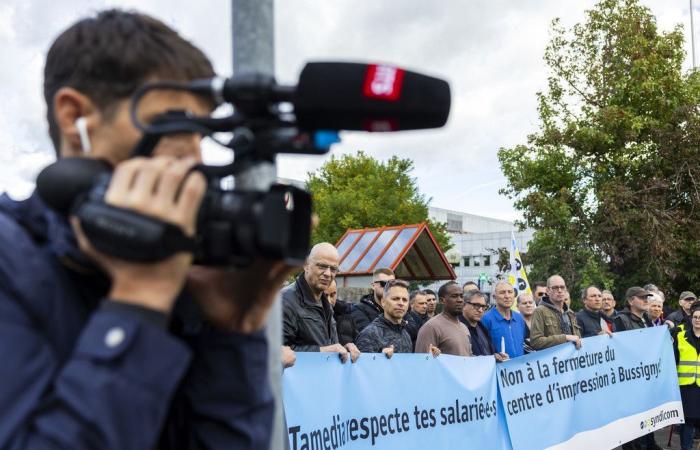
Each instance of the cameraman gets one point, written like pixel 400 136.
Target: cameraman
pixel 105 353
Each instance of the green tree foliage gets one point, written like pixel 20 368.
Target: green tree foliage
pixel 358 191
pixel 610 181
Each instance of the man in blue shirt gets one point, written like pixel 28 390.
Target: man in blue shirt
pixel 505 326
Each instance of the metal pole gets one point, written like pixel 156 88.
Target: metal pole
pixel 253 51
pixel 692 33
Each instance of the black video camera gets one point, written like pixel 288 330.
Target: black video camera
pixel 234 226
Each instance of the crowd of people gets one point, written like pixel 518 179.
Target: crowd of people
pixel 394 319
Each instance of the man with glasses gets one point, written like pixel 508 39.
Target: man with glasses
pixel 506 327
pixel 684 302
pixel 553 323
pixel 474 308
pixel 608 308
pixel 445 331
pixel 634 316
pixel 308 323
pixel 370 306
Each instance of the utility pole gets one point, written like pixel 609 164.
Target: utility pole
pixel 254 51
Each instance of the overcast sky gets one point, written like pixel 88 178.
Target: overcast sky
pixel 489 50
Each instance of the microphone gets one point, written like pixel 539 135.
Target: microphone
pixel 341 96
pixel 60 183
pixel 369 97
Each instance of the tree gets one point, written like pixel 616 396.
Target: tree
pixel 610 181
pixel 357 191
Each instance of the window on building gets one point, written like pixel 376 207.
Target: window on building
pixel 487 260
pixel 477 261
pixel 454 222
pixel 466 260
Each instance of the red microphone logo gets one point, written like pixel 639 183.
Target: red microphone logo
pixel 383 82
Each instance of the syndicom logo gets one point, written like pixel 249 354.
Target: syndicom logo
pixel 660 417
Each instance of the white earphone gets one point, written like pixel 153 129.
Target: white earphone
pixel 81 125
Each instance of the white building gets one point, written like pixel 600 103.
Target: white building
pixel 473 238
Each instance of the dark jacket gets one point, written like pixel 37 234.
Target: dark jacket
pixel 480 338
pixel 677 317
pixel 549 326
pixel 610 318
pixel 366 311
pixel 381 333
pixel 344 323
pixel 625 320
pixel 589 321
pixel 307 325
pixel 413 323
pixel 81 372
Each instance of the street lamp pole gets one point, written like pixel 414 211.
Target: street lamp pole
pixel 692 33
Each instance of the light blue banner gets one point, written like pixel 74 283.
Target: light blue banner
pixel 610 391
pixel 412 401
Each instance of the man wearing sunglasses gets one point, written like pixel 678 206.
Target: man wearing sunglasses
pixel 539 290
pixel 308 323
pixel 370 306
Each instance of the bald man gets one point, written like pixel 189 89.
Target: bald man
pixel 553 322
pixel 308 323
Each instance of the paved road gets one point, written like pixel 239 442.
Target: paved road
pixel 661 437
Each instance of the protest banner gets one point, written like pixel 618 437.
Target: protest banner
pixel 610 391
pixel 412 401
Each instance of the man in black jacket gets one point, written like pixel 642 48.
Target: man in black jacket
pixel 590 318
pixel 473 310
pixel 684 302
pixel 308 323
pixel 634 317
pixel 370 306
pixel 387 333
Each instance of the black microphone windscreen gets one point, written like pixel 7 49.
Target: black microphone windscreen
pixel 60 183
pixel 353 96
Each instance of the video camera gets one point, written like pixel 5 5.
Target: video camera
pixel 234 226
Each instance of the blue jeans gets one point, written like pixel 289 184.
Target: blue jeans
pixel 687 433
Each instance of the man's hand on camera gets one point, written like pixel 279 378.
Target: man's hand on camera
pixel 159 187
pixel 238 300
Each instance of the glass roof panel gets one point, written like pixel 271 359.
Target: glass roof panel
pixel 396 248
pixel 345 244
pixel 358 250
pixel 377 248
